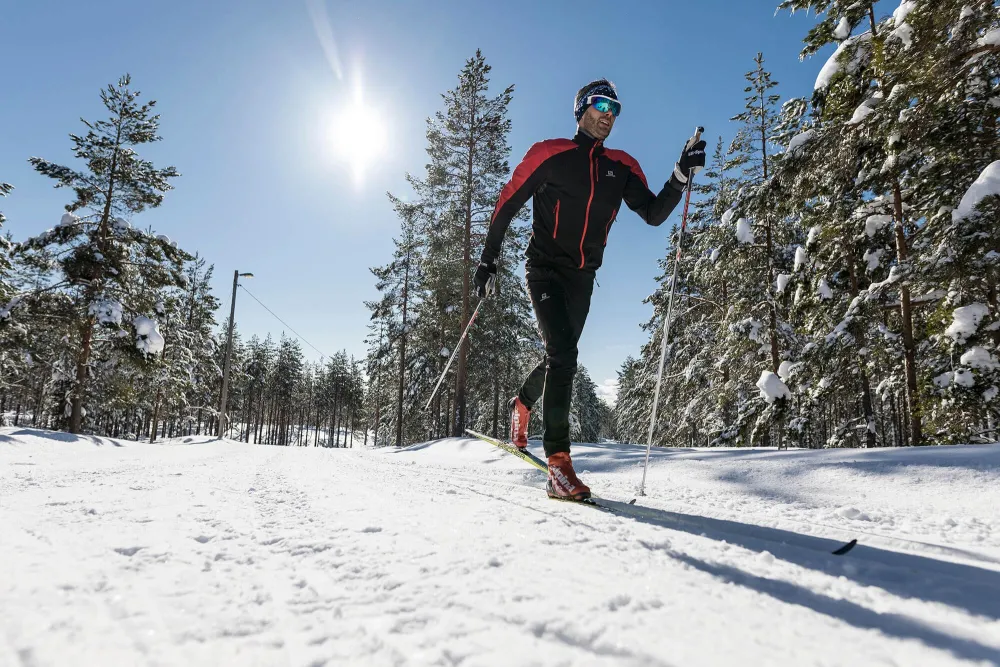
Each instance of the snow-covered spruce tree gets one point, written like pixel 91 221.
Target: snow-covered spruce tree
pixel 944 58
pixel 766 229
pixel 468 149
pixel 864 76
pixel 99 253
pixel 378 368
pixel 399 282
pixel 586 408
pixel 849 238
pixel 187 320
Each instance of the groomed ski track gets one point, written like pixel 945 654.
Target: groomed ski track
pixel 205 552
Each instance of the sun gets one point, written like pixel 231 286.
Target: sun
pixel 359 136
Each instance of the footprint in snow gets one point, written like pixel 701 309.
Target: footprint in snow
pixel 204 538
pixel 129 551
pixel 372 529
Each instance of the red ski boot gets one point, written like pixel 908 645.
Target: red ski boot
pixel 519 415
pixel 563 484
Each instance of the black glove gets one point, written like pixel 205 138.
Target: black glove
pixel 692 160
pixel 485 279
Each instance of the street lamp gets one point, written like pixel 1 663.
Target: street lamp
pixel 229 351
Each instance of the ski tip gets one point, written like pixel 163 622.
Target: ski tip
pixel 632 502
pixel 847 547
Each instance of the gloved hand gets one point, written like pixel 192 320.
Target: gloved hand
pixel 692 159
pixel 485 279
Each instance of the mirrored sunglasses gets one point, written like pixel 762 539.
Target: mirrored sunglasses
pixel 605 104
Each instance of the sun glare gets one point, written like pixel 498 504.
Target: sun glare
pixel 359 137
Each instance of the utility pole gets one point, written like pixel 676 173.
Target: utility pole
pixel 223 422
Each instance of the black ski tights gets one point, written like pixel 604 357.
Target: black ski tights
pixel 561 299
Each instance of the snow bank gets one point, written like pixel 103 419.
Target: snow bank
pixel 148 339
pixel 987 185
pixel 743 232
pixel 771 387
pixel 966 321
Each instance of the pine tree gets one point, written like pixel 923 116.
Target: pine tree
pixel 467 145
pixel 586 407
pixel 100 250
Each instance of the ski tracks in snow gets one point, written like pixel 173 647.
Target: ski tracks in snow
pixel 219 553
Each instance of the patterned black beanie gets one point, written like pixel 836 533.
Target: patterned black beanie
pixel 599 87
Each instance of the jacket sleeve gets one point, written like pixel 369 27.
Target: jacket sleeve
pixel 527 178
pixel 654 209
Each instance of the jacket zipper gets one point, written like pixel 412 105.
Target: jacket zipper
pixel 586 217
pixel 555 230
pixel 607 229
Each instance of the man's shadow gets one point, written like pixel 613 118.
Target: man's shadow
pixel 967 587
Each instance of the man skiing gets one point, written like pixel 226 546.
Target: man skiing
pixel 577 187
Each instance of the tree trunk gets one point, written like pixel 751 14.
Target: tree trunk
pixel 156 414
pixel 463 352
pixel 909 347
pixel 402 351
pixel 76 415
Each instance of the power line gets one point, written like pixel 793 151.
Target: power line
pixel 322 356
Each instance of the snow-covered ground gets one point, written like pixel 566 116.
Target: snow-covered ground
pixel 195 551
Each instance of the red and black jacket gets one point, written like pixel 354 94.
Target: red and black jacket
pixel 578 186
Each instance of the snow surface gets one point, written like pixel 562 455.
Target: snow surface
pixel 207 552
pixel 744 234
pixel 986 185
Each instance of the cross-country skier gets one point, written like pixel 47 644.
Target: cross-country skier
pixel 577 188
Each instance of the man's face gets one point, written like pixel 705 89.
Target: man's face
pixel 597 124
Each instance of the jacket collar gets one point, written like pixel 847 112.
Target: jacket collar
pixel 585 141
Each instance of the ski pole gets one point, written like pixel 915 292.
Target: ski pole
pixel 666 321
pixel 457 348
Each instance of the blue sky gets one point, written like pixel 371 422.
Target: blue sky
pixel 247 98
